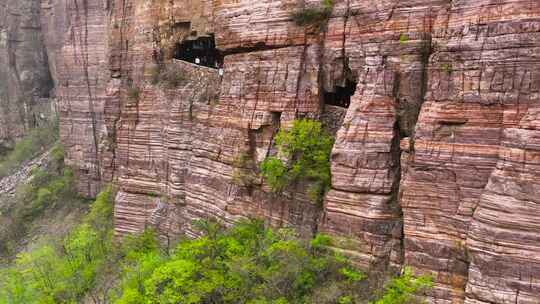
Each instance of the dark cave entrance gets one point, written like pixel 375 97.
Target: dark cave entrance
pixel 201 51
pixel 341 96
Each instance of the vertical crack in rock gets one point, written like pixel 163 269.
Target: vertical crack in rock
pixel 83 36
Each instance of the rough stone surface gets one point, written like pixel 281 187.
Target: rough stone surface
pixel 25 80
pixel 436 162
pixel 85 88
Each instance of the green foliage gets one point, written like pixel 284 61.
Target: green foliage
pixel 57 153
pixel 134 93
pixel 243 170
pixel 100 215
pixel 49 186
pixel 345 300
pixel 403 38
pixel 447 67
pixel 35 142
pixel 307 148
pixel 245 264
pixel 313 16
pixel 66 273
pixel 44 190
pixel 352 274
pixel 328 4
pixel 320 241
pixel 171 76
pixel 275 173
pixel 401 290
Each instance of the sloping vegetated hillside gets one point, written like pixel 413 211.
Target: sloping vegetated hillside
pixel 246 263
pixel 38 198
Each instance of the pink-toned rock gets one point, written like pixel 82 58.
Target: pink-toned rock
pixel 469 200
pixel 436 161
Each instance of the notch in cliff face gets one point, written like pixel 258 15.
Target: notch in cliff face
pixel 343 87
pixel 201 50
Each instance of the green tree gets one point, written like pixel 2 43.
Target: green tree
pixel 306 148
pixel 245 264
pixel 402 289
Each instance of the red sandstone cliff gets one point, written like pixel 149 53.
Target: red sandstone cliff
pixel 436 162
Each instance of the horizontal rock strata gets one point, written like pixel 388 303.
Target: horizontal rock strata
pixel 436 160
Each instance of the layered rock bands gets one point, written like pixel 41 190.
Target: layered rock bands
pixel 436 163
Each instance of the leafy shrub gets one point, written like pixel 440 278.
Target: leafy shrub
pixel 447 67
pixel 45 190
pixel 171 76
pixel 35 142
pixel 313 16
pixel 242 171
pixel 275 173
pixel 403 38
pixel 401 290
pixel 134 93
pixel 245 264
pixel 57 154
pixel 306 148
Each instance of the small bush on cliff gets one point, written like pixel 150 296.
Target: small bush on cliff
pixel 401 290
pixel 243 174
pixel 403 38
pixel 447 67
pixel 134 93
pixel 306 148
pixel 171 76
pixel 313 16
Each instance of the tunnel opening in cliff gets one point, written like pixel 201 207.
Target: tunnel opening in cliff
pixel 201 51
pixel 341 96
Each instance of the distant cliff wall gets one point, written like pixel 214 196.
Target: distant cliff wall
pixel 26 84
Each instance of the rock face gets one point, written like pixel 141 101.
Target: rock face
pixel 435 106
pixel 25 80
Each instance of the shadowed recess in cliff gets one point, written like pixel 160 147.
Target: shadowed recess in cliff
pixel 341 96
pixel 201 51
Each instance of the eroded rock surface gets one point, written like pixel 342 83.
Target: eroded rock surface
pixel 437 156
pixel 25 80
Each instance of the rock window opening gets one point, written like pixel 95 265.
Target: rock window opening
pixel 201 51
pixel 341 96
pixel 276 118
